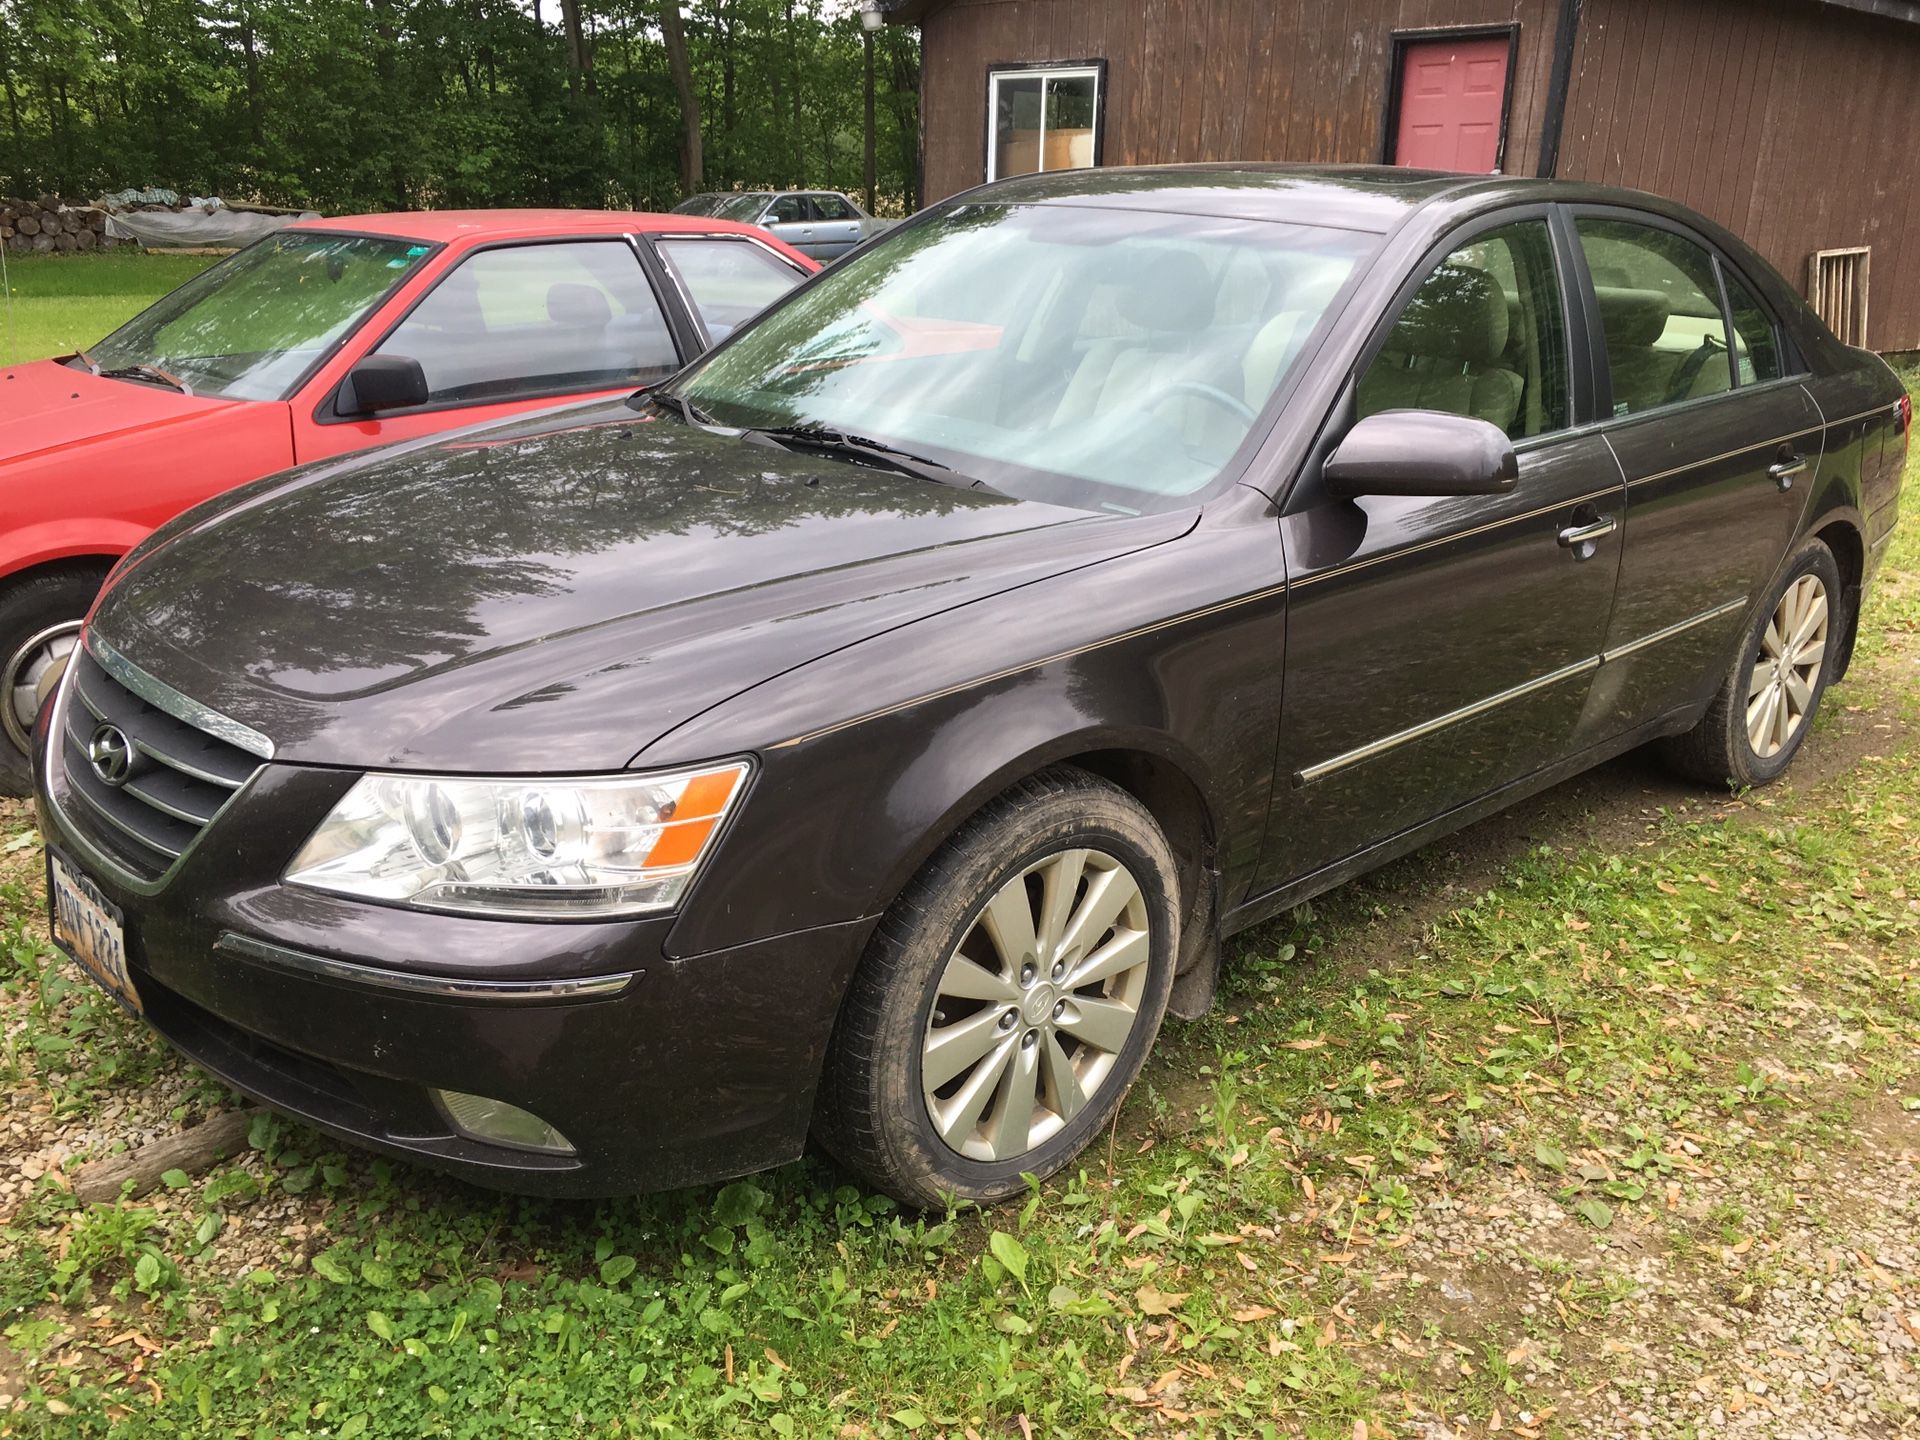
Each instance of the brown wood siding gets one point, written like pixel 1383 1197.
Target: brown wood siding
pixel 1212 79
pixel 1782 119
pixel 1779 118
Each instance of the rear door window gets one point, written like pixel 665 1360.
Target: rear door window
pixel 727 281
pixel 1659 303
pixel 538 320
pixel 832 207
pixel 1756 339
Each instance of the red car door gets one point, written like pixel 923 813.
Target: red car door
pixel 503 328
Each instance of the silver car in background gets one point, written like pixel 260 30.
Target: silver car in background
pixel 822 224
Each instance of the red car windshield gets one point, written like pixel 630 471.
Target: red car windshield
pixel 253 326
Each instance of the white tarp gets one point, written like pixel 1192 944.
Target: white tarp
pixel 179 228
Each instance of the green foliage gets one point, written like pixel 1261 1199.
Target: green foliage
pixel 350 105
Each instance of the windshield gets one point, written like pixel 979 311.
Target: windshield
pixel 1107 359
pixel 699 204
pixel 744 208
pixel 250 327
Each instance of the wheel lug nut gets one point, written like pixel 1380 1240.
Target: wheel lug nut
pixel 1059 1008
pixel 1029 1040
pixel 1027 972
pixel 1059 970
pixel 1008 1020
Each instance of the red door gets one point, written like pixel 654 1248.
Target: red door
pixel 1452 93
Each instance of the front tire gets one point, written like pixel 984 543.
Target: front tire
pixel 1764 708
pixel 1008 998
pixel 39 624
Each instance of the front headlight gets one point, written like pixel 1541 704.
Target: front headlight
pixel 564 848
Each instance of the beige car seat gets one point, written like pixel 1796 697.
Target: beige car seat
pixel 1446 352
pixel 1655 356
pixel 1170 303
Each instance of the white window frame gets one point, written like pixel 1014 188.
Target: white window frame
pixel 1046 74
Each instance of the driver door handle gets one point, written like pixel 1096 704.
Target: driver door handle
pixel 1580 538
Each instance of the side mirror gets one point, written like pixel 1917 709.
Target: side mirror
pixel 382 382
pixel 1422 452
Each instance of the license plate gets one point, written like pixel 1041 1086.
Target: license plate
pixel 89 927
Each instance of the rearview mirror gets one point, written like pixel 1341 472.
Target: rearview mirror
pixel 1422 452
pixel 382 382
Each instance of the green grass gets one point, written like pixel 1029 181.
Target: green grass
pixel 61 302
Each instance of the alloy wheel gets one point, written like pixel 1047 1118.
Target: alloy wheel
pixel 1786 672
pixel 28 678
pixel 1035 1004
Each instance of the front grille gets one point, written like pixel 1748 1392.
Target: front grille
pixel 179 777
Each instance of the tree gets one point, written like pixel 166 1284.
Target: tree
pixel 691 170
pixel 350 105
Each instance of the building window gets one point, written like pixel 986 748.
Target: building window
pixel 1044 118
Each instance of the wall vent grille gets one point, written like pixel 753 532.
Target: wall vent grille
pixel 1837 286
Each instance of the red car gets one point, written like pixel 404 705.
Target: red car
pixel 329 336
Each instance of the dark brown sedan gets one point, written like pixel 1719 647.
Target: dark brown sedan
pixel 874 730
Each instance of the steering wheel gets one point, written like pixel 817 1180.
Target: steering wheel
pixel 1213 395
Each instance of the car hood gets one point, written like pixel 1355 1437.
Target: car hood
pixel 555 594
pixel 46 405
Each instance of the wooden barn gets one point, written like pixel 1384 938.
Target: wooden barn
pixel 1789 121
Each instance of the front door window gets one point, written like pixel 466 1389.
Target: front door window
pixel 526 320
pixel 1483 336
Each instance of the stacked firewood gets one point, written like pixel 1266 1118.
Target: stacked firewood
pixel 43 224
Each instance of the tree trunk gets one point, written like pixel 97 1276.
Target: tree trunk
pixel 691 170
pixel 905 90
pixel 579 61
pixel 256 122
pixel 797 171
pixel 730 161
pixel 870 173
pixel 13 95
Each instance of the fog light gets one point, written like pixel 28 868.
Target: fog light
pixel 499 1123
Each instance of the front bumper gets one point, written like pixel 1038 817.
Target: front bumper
pixel 347 1014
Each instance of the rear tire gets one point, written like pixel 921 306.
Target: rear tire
pixel 1008 998
pixel 39 618
pixel 1765 706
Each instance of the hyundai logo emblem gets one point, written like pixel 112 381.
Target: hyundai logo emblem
pixel 111 753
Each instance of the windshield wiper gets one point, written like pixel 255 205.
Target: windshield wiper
pixel 147 372
pixel 87 360
pixel 677 404
pixel 861 450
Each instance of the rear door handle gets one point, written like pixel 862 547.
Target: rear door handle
pixel 1583 540
pixel 1784 469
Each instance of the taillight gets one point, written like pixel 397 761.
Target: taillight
pixel 1906 418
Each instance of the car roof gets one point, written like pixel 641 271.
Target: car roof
pixel 1376 198
pixel 441 227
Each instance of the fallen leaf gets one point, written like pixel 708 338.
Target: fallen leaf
pixel 1154 1301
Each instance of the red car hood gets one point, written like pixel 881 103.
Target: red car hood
pixel 44 405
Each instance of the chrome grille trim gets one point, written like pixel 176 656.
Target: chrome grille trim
pixel 188 774
pixel 182 707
